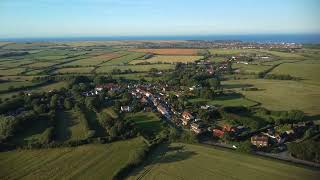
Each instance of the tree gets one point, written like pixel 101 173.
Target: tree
pixel 245 147
pixel 215 83
pixel 7 126
pixel 54 101
pixel 40 108
pixel 67 104
pixel 295 116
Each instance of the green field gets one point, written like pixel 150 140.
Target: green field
pixel 231 51
pixel 15 84
pixel 250 68
pixel 309 73
pixel 93 161
pixel 281 95
pixel 226 100
pixel 169 59
pixel 14 71
pixel 183 161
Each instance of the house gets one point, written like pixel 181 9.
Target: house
pixel 228 128
pixel 125 109
pixel 260 140
pixel 108 87
pixel 186 115
pixel 163 110
pixel 198 128
pixel 218 133
pixel 185 122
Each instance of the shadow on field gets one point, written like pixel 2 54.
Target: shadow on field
pixel 174 154
pixel 162 154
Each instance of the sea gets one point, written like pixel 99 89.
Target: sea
pixel 258 38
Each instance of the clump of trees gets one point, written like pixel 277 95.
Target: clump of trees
pixel 116 128
pixel 307 150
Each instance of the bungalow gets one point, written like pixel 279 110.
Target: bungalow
pixel 260 140
pixel 125 109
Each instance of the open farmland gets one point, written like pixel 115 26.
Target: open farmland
pixel 228 100
pixel 123 59
pixel 13 71
pixel 281 95
pixel 137 68
pixel 94 161
pixel 184 161
pixel 309 73
pixel 231 51
pixel 92 61
pixel 41 65
pixel 169 51
pixel 76 70
pixel 169 59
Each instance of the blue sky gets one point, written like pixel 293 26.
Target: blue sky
pixel 58 18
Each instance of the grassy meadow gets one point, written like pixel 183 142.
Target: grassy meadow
pixel 184 161
pixel 280 95
pixel 94 161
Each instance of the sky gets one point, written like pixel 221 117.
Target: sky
pixel 63 18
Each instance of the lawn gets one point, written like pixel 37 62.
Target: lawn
pixel 184 161
pixel 281 95
pixel 148 122
pixel 69 126
pixel 169 51
pixel 169 59
pixel 95 161
pixel 138 68
pixel 310 73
